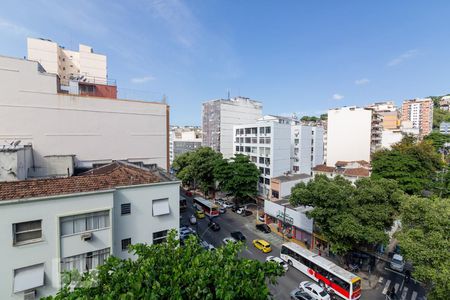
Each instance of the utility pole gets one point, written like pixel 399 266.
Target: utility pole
pixel 284 221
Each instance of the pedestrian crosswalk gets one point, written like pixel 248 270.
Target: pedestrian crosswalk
pixel 403 292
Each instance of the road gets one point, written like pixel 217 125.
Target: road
pixel 231 221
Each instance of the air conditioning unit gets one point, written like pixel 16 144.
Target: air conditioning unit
pixel 86 236
pixel 29 295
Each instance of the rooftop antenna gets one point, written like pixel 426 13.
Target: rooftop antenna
pixel 228 94
pixel 164 99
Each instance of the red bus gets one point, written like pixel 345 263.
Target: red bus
pixel 325 272
pixel 210 209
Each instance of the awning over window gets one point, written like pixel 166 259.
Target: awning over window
pixel 161 207
pixel 28 278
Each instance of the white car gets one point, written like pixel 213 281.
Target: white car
pixel 278 260
pixel 314 290
pixel 207 246
pixel 397 263
pixel 229 240
pixel 227 204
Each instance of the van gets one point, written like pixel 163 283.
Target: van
pixel 397 263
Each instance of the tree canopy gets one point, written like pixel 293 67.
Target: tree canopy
pixel 171 271
pixel 238 176
pixel 425 241
pixel 349 215
pixel 412 164
pixel 437 139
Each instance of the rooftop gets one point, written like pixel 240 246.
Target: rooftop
pixel 113 175
pixel 293 177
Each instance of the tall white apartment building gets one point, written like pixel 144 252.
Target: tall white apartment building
pixel 184 139
pixel 268 144
pixel 307 149
pixel 349 135
pixel 48 226
pixel 88 130
pixel 68 63
pixel 219 117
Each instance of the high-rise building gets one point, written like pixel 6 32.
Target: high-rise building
pixel 68 63
pixel 219 117
pixel 307 149
pixel 267 142
pixel 351 135
pixel 389 114
pixel 444 128
pixel 184 139
pixel 420 113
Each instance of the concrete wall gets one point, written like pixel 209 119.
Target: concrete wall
pixel 48 250
pixel 140 224
pixel 349 135
pixel 94 129
pixel 390 137
pixel 14 163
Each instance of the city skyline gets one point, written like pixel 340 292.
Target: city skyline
pixel 315 57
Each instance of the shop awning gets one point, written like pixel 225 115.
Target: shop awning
pixel 161 207
pixel 28 278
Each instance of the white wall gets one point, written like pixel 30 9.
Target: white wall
pixel 349 135
pixel 281 149
pixel 48 250
pixel 390 137
pixel 94 129
pixel 300 219
pixel 140 224
pixel 286 186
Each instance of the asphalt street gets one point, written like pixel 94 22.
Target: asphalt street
pixel 231 221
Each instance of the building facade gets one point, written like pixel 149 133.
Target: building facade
pixel 281 186
pixel 420 113
pixel 350 170
pixel 307 149
pixel 60 224
pixel 268 145
pixel 219 117
pixel 184 139
pixel 95 130
pixel 444 128
pixel 350 134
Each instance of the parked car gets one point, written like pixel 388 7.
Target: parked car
pixel 229 240
pixel 278 260
pixel 298 294
pixel 240 210
pixel 185 230
pixel 264 228
pixel 207 246
pixel 222 210
pixel 397 263
pixel 199 214
pixel 236 209
pixel 246 213
pixel 213 226
pixel 193 220
pixel 227 204
pixel 261 218
pixel 314 290
pixel 237 235
pixel 262 245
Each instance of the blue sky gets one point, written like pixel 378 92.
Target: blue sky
pixel 294 56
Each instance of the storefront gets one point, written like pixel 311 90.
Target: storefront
pixel 289 221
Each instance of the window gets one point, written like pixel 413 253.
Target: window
pixel 261 140
pixel 253 150
pixel 84 222
pixel 267 161
pixel 241 131
pixel 261 170
pixel 261 130
pixel 268 129
pixel 268 140
pixel 161 207
pixel 159 237
pixel 267 181
pixel 261 160
pixel 237 148
pixel 254 140
pixel 261 179
pixel 125 244
pixel 295 168
pixel 248 140
pixel 237 140
pixel 267 171
pixel 237 131
pixel 254 159
pixel 275 194
pixel 64 68
pixel 85 262
pixel 247 149
pixel 241 148
pixel 125 209
pixel 27 232
pixel 248 130
pixel 254 130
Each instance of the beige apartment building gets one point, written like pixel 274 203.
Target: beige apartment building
pixel 420 113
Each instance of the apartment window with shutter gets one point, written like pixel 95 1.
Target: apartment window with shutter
pixel 125 209
pixel 159 237
pixel 125 244
pixel 27 232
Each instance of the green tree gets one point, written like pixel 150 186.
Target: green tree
pixel 412 164
pixel 182 166
pixel 202 163
pixel 168 271
pixel 238 176
pixel 437 139
pixel 350 216
pixel 425 241
pixel 324 117
pixel 439 116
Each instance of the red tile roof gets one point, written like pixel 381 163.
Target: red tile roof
pixel 357 172
pixel 363 163
pixel 103 178
pixel 323 168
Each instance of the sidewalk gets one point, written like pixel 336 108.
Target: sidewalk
pixel 368 281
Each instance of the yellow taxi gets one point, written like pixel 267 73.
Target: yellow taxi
pixel 262 245
pixel 199 214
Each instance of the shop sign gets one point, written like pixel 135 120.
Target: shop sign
pixel 282 216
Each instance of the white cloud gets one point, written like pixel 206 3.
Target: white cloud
pixel 362 81
pixel 405 56
pixel 337 97
pixel 142 79
pixel 14 28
